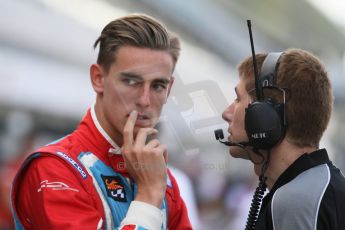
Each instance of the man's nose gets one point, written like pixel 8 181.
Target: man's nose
pixel 227 112
pixel 144 97
pixel 224 115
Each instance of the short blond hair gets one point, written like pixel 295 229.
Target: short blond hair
pixel 309 93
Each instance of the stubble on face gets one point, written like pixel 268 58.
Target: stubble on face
pixel 236 118
pixel 133 83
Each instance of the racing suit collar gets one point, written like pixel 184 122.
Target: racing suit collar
pixel 99 142
pixel 115 149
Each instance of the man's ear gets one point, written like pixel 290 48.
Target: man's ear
pixel 97 78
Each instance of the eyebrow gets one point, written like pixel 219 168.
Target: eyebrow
pixel 140 78
pixel 162 81
pixel 131 76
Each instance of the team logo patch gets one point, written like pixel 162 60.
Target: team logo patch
pixel 56 185
pixel 114 188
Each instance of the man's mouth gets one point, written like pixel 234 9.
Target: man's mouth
pixel 142 117
pixel 143 120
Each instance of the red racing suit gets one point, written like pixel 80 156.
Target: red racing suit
pixel 78 182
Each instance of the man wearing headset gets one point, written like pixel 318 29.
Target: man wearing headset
pixel 280 133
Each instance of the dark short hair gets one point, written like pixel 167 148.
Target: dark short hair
pixel 137 30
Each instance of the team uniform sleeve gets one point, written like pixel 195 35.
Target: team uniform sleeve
pixel 327 214
pixel 143 216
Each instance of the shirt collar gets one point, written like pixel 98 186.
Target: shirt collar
pixel 303 163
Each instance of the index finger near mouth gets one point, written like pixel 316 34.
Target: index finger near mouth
pixel 128 129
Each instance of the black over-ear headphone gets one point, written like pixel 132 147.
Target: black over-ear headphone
pixel 265 121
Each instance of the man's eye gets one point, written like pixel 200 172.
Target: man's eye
pixel 130 81
pixel 159 87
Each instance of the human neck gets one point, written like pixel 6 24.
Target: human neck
pixel 101 124
pixel 282 156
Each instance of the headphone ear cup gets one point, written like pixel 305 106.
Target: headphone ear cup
pixel 264 124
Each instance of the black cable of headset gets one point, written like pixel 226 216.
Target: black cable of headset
pixel 258 195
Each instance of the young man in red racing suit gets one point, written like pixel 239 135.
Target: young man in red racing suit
pixel 85 180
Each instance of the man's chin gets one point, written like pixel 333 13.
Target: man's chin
pixel 238 152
